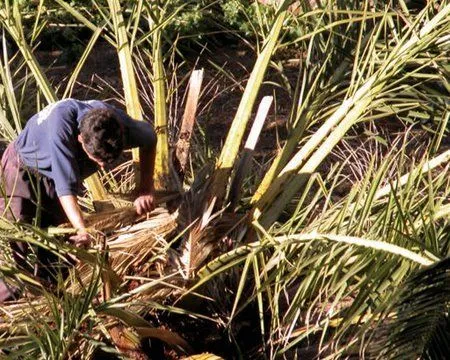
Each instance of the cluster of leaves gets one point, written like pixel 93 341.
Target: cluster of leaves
pixel 195 20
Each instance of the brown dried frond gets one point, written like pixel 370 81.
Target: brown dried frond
pixel 127 342
pixel 204 240
pixel 137 244
pixel 131 248
pixel 20 311
pixel 111 220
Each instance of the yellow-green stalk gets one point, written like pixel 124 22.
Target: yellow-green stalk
pixel 162 168
pixel 233 141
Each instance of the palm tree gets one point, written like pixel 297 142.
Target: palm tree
pixel 301 261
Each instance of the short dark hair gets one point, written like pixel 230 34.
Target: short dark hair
pixel 102 134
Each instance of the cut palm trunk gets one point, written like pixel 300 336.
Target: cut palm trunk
pixel 95 188
pixel 247 155
pixel 187 125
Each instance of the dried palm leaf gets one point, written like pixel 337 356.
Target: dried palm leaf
pixel 127 342
pixel 204 239
pixel 138 243
pixel 132 247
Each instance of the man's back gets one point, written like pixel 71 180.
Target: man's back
pixel 49 142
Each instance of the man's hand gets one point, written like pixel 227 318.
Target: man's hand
pixel 144 203
pixel 73 212
pixel 81 239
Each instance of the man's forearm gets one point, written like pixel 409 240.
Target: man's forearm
pixel 73 211
pixel 147 169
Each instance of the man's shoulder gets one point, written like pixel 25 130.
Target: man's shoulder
pixel 94 103
pixel 68 110
pixel 58 107
pixel 75 104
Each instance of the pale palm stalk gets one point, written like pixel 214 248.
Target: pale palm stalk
pixel 8 131
pixel 305 112
pixel 289 174
pixel 130 87
pixel 80 17
pixel 13 24
pixel 125 61
pixel 93 183
pixel 428 166
pixel 289 147
pixel 122 45
pixel 79 67
pixel 359 241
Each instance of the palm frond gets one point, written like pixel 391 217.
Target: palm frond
pixel 419 324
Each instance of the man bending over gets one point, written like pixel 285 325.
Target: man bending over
pixel 61 146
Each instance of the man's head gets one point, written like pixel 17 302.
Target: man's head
pixel 101 135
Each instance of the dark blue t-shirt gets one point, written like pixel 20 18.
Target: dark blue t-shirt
pixel 49 142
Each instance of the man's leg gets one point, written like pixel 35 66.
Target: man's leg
pixel 52 214
pixel 7 292
pixel 15 205
pixel 21 204
pixel 24 210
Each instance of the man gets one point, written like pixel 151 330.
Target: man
pixel 58 148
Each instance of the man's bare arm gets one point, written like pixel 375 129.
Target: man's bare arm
pixel 145 201
pixel 73 212
pixel 147 166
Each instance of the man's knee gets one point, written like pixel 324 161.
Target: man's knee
pixel 17 208
pixel 7 292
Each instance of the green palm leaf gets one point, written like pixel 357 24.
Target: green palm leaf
pixel 420 327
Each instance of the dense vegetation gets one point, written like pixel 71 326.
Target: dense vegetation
pixel 332 242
